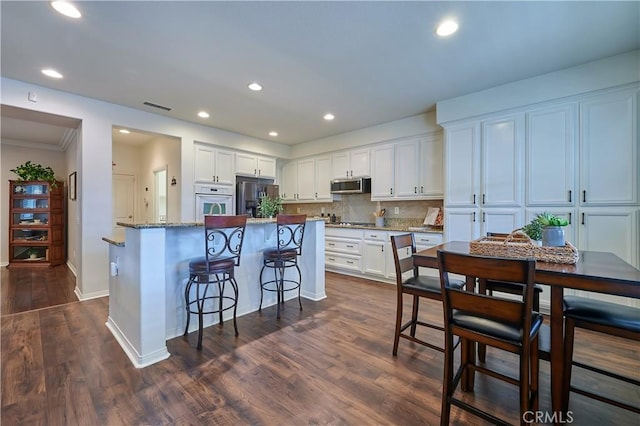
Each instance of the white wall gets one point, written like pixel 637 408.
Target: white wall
pixel 154 155
pixel 13 156
pixel 73 206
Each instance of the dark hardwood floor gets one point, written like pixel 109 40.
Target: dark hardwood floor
pixel 329 364
pixel 26 289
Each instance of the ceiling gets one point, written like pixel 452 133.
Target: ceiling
pixel 366 62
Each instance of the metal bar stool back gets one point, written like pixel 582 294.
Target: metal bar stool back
pixel 290 233
pixel 223 240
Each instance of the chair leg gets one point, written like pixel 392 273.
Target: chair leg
pixel 261 288
pixel 525 374
pixel 187 290
pixel 447 380
pixel 234 285
pixel 221 293
pixel 535 371
pixel 414 315
pixel 277 283
pixel 299 285
pixel 396 338
pixel 569 333
pixel 200 303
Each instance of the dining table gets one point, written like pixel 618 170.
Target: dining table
pixel 598 272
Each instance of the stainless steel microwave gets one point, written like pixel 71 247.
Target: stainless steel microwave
pixel 351 186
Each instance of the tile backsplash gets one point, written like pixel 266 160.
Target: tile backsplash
pixel 360 208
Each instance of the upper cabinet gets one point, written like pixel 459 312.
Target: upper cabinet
pixel 213 165
pixel 411 170
pixel 255 165
pixel 348 164
pixel 609 149
pixel 307 180
pixel 550 153
pixel 462 165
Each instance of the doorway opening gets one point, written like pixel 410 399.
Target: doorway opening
pixel 160 195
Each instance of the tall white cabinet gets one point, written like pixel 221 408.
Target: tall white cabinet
pixel 576 158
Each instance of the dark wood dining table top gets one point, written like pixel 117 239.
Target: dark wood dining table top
pixel 595 271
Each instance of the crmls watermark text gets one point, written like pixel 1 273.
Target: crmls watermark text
pixel 547 417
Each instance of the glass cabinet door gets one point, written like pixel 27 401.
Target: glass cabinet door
pixel 29 235
pixel 31 189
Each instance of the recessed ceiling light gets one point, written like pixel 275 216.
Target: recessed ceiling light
pixel 203 114
pixel 274 134
pixel 446 28
pixel 66 8
pixel 49 72
pixel 125 131
pixel 329 117
pixel 255 87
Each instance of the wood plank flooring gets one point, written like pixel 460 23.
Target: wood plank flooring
pixel 329 364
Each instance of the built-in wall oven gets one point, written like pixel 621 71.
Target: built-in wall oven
pixel 213 199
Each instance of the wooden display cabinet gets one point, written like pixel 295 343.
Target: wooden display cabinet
pixel 36 224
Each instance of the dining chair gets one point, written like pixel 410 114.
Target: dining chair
pixel 290 232
pixel 506 324
pixel 223 238
pixel 603 317
pixel 417 286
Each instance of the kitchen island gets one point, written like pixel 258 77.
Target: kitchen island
pixel 149 268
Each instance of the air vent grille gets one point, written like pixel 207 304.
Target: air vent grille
pixel 157 106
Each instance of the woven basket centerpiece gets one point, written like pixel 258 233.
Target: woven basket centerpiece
pixel 518 245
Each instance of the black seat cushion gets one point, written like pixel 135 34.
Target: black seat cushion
pixel 199 265
pixel 283 254
pixel 603 313
pixel 430 284
pixel 500 330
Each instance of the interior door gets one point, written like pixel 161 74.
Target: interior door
pixel 123 198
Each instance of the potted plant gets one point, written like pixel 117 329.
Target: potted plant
pixel 30 171
pixel 552 229
pixel 534 230
pixel 270 206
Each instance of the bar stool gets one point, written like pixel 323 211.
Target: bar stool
pixel 222 244
pixel 290 231
pixel 603 317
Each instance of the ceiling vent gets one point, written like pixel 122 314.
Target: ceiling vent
pixel 157 106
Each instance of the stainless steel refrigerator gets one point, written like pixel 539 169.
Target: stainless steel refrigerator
pixel 248 194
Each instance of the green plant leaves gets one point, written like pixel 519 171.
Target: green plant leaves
pixel 31 171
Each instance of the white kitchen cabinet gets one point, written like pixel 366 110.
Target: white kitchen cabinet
pixel 255 165
pixel 407 169
pixel 461 224
pixel 382 164
pixel 612 229
pixel 503 220
pixel 343 249
pixel 501 169
pixel 213 165
pixel 424 241
pixel 306 180
pixel 462 165
pixel 374 252
pixel 550 156
pixel 609 149
pixel 431 168
pixel 355 163
pixel 323 179
pixel 289 185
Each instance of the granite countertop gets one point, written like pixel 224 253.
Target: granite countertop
pixel 148 225
pixel 392 227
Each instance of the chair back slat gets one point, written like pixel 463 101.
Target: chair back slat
pixel 516 312
pixel 290 230
pixel 224 236
pixel 405 264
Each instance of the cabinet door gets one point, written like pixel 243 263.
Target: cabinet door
pixel 407 164
pixel 374 257
pixel 224 171
pixel 266 167
pixel 246 164
pixel 550 156
pixel 323 178
pixel 290 181
pixel 340 165
pixel 610 229
pixel 462 165
pixel 500 220
pixel 502 142
pixel 306 177
pixel 382 181
pixel 609 149
pixel 204 164
pixel 431 172
pixel 461 224
pixel 359 163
